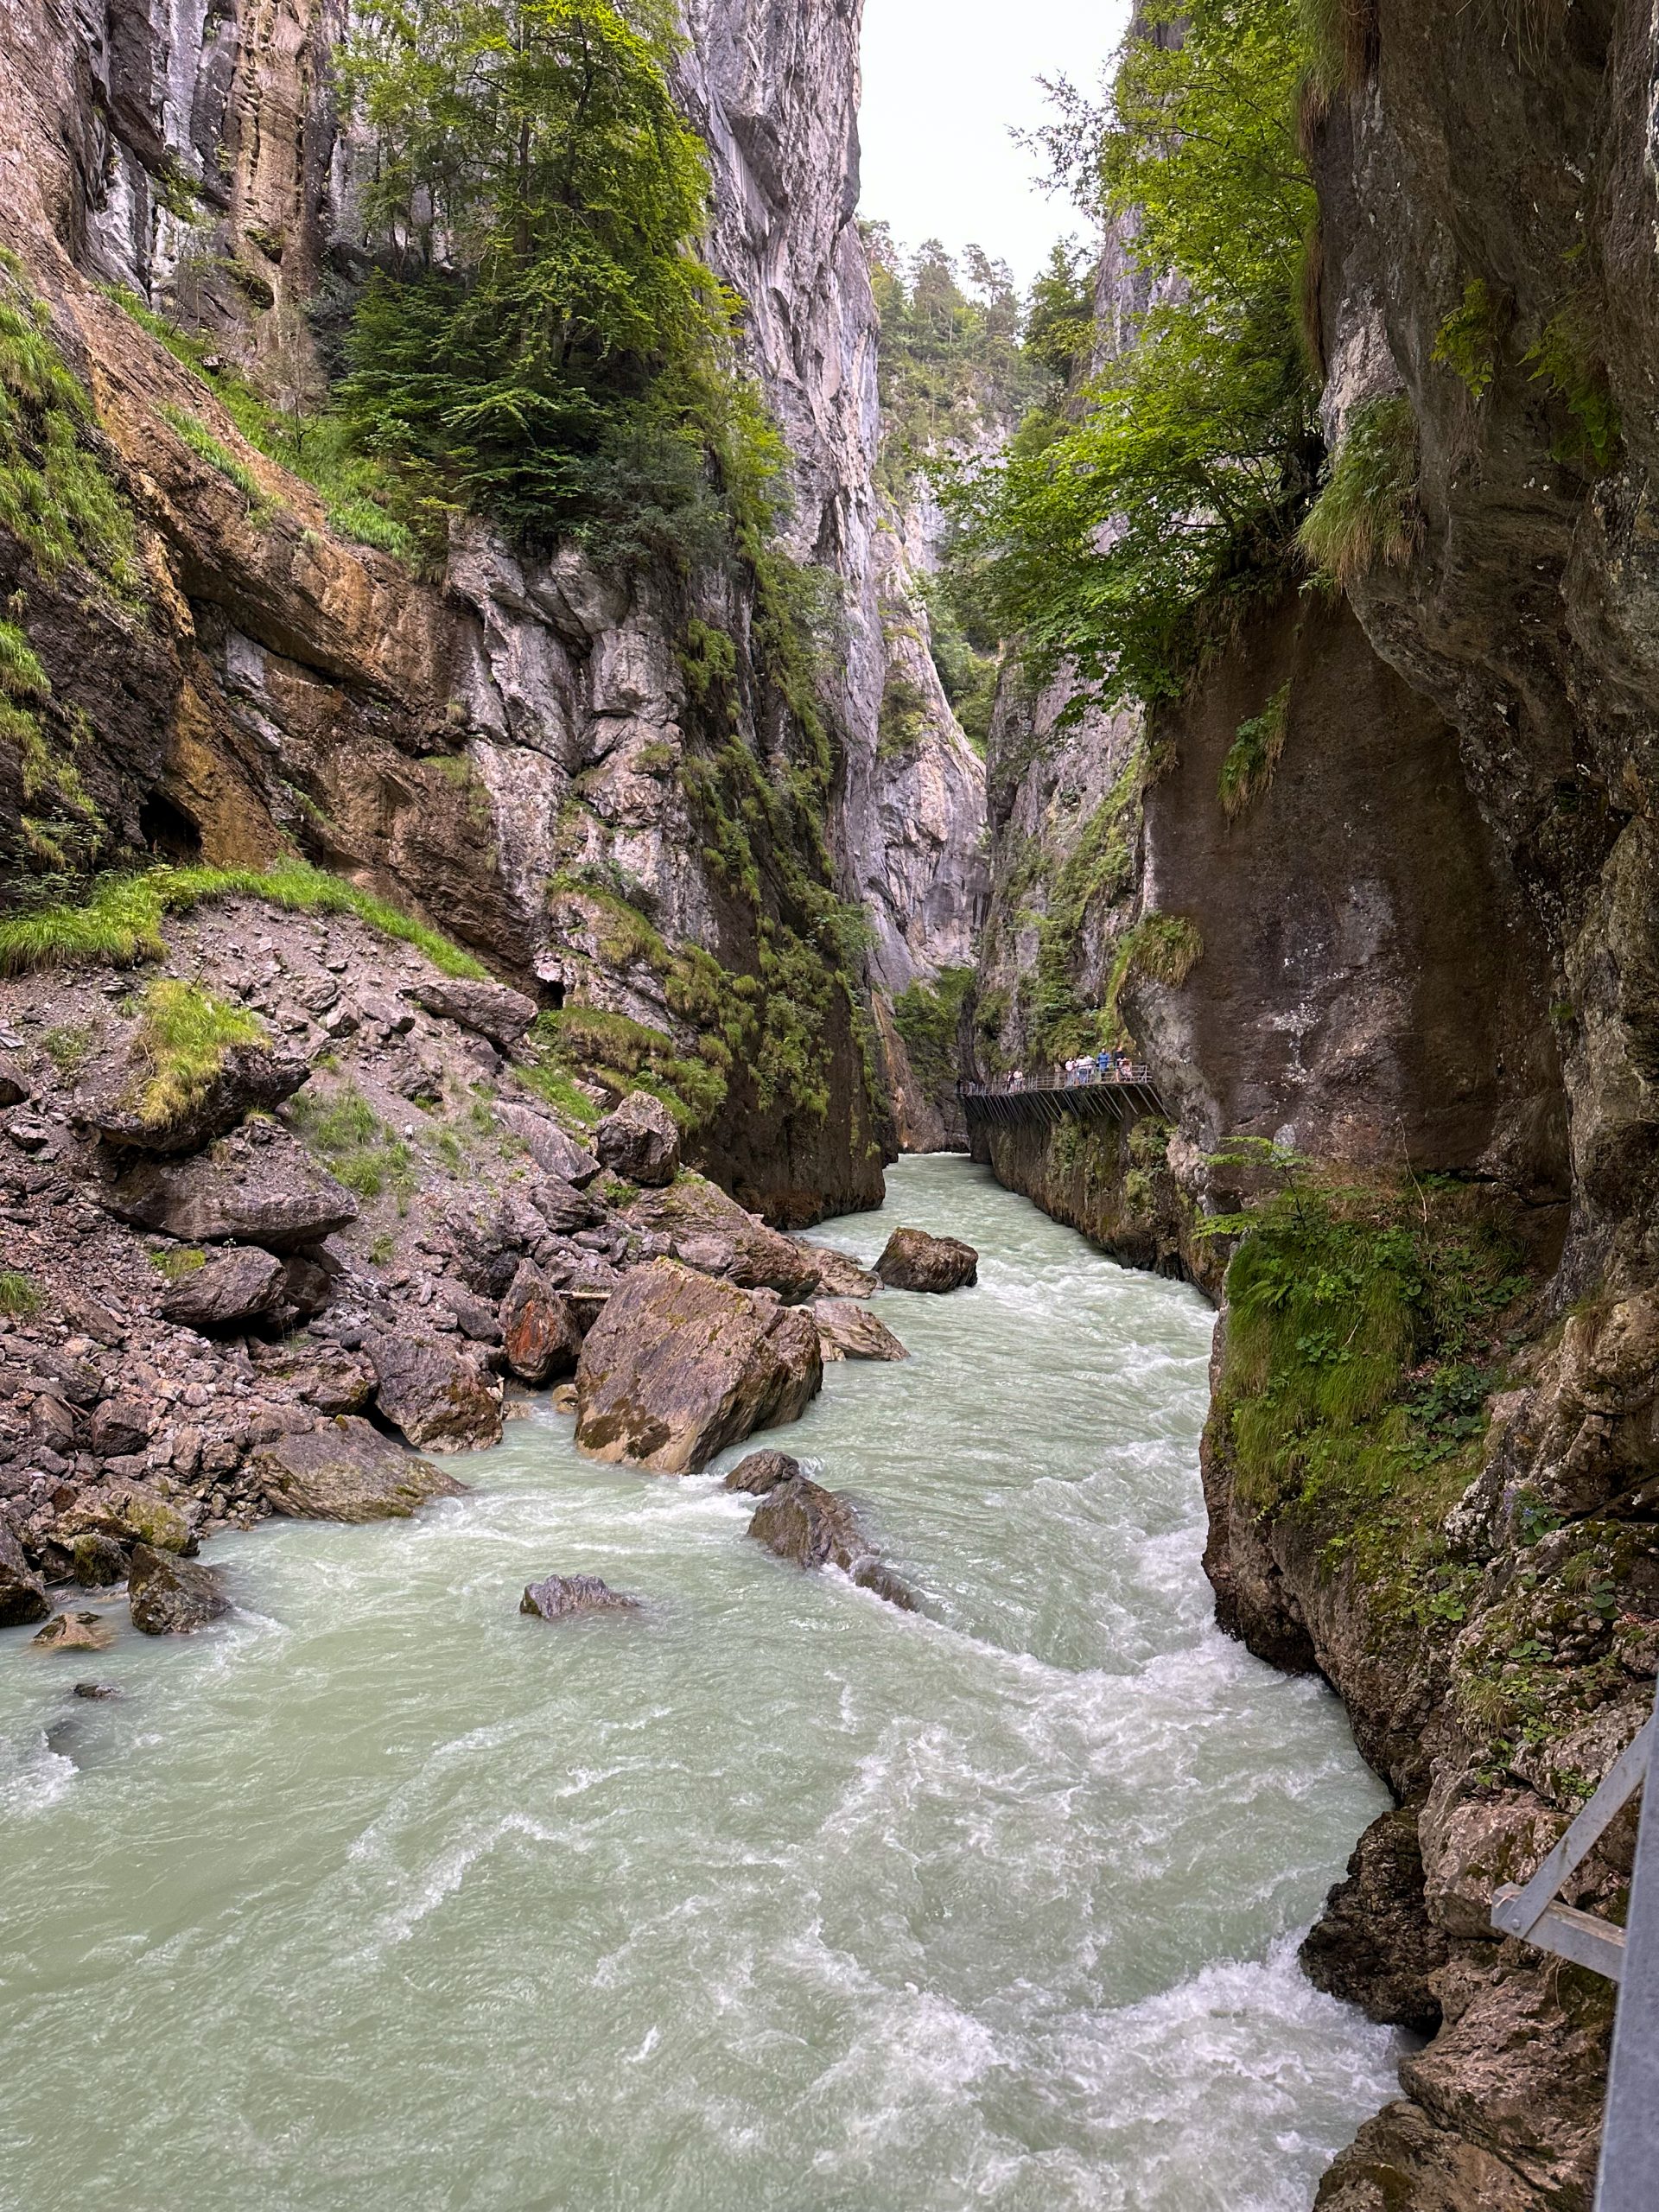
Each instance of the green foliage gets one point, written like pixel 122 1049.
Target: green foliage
pixel 203 442
pixel 1124 535
pixel 968 670
pixel 1568 359
pixel 69 1045
pixel 542 337
pixel 626 1055
pixel 902 723
pixel 1167 947
pixel 1247 772
pixel 1059 329
pixel 119 921
pixel 1467 342
pixel 1098 869
pixel 178 1263
pixel 1366 512
pixel 56 496
pixel 185 1036
pixel 360 1150
pixel 366 500
pixel 928 1016
pixel 19 1298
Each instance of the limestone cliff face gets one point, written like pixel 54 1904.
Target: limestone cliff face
pixel 1427 941
pixel 477 745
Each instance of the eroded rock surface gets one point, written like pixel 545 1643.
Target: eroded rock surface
pixel 640 1141
pixel 347 1470
pixel 681 1365
pixel 255 1187
pixel 712 1232
pixel 762 1471
pixel 228 1291
pixel 561 1596
pixel 848 1330
pixel 22 1593
pixel 443 1398
pixel 803 1521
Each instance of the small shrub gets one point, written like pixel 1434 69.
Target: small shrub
pixel 1247 772
pixel 175 1265
pixel 1467 342
pixel 1366 512
pixel 1566 358
pixel 1167 947
pixel 69 1046
pixel 185 1036
pixel 19 1298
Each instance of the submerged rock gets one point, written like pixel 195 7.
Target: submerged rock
pixel 763 1471
pixel 539 1330
pixel 680 1365
pixel 915 1261
pixel 347 1470
pixel 76 1632
pixel 170 1596
pixel 443 1398
pixel 265 1189
pixel 849 1330
pixel 803 1521
pixel 561 1595
pixel 640 1141
pixel 227 1291
pixel 96 1692
pixel 249 1079
pixel 22 1593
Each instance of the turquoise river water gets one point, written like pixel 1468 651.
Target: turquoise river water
pixel 382 1898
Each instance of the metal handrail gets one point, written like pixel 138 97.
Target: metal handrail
pixel 1091 1078
pixel 1628 1955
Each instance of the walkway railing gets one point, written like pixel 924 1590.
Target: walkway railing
pixel 1123 1093
pixel 1628 1955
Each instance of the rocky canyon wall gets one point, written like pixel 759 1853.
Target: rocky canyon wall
pixel 513 745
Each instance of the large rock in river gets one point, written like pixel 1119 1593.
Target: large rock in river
pixel 680 1365
pixel 22 1593
pixel 249 1079
pixel 539 1330
pixel 561 1595
pixel 712 1232
pixel 839 1276
pixel 170 1596
pixel 227 1291
pixel 763 1471
pixel 915 1261
pixel 347 1470
pixel 259 1187
pixel 849 1330
pixel 803 1521
pixel 443 1398
pixel 640 1141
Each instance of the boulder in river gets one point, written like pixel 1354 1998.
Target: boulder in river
pixel 839 1275
pixel 848 1330
pixel 640 1141
pixel 229 1289
pixel 259 1187
pixel 22 1593
pixel 250 1078
pixel 561 1595
pixel 915 1261
pixel 680 1365
pixel 170 1596
pixel 713 1233
pixel 99 1561
pixel 762 1471
pixel 539 1330
pixel 76 1632
pixel 803 1521
pixel 442 1397
pixel 347 1470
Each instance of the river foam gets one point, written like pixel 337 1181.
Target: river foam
pixel 768 1899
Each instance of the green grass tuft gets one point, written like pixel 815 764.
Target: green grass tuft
pixel 120 922
pixel 1366 514
pixel 203 442
pixel 185 1035
pixel 360 1150
pixel 19 1298
pixel 1247 772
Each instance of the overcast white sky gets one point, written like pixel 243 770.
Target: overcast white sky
pixel 943 80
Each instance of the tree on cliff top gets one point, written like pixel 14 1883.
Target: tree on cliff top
pixel 540 332
pixel 1120 530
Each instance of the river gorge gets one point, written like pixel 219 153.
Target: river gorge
pixel 772 1894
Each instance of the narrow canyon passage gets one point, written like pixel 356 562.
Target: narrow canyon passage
pixel 775 1895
